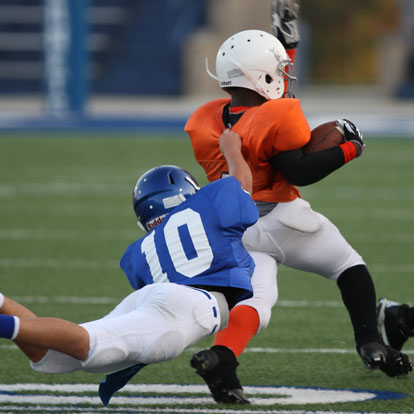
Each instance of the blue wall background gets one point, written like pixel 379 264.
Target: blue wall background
pixel 139 53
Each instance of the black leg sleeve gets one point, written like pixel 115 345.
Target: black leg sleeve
pixel 358 294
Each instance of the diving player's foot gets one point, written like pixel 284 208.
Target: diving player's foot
pixel 217 366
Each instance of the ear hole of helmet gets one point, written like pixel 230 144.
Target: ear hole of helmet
pixel 268 79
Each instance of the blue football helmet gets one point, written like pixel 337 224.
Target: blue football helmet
pixel 158 191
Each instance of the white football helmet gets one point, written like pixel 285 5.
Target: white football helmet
pixel 255 60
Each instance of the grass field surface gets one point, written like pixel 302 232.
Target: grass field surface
pixel 66 217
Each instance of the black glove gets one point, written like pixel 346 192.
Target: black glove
pixel 285 22
pixel 352 133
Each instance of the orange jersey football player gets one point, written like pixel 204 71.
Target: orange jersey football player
pixel 269 129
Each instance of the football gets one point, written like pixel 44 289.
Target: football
pixel 324 136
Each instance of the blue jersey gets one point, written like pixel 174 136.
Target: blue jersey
pixel 198 243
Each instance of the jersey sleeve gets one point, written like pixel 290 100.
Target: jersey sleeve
pixel 280 126
pixel 204 128
pixel 134 268
pixel 235 207
pixel 294 131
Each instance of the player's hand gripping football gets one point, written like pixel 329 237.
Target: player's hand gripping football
pixel 285 22
pixel 353 134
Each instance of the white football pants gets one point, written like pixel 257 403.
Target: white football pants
pixel 300 238
pixel 265 291
pixel 153 324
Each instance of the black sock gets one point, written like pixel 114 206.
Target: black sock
pixel 358 295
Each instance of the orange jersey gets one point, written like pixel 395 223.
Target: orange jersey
pixel 275 126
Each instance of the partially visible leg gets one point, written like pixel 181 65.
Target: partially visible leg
pixel 252 315
pixel 358 294
pixel 217 365
pixel 10 307
pixel 36 335
pixel 326 252
pixel 151 325
pixel 396 322
pixel 243 325
pixel 57 334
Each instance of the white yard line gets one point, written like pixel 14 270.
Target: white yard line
pixel 77 300
pixel 63 188
pixel 266 350
pixel 49 263
pixel 23 263
pixel 80 234
pixel 68 234
pixel 259 395
pixel 147 410
pixel 87 300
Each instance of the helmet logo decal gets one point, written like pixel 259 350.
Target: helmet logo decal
pixel 155 222
pixel 234 73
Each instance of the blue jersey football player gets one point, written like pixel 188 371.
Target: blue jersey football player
pixel 188 270
pixel 199 242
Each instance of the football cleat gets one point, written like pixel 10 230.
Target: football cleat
pixel 217 366
pixel 373 354
pixel 393 323
pixel 397 364
pixel 393 363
